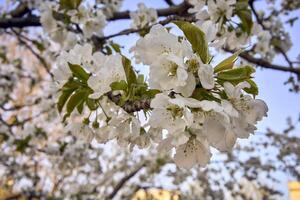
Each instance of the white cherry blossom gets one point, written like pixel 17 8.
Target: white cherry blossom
pixel 143 16
pixel 109 70
pixel 195 151
pixel 158 42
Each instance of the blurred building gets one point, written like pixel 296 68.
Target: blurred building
pixel 156 194
pixel 294 190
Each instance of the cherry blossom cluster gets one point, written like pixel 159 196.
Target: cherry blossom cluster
pixel 61 21
pixel 194 105
pixel 238 34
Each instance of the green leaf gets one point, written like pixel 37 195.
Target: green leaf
pixel 130 73
pixel 253 88
pixel 66 115
pixel 244 13
pixel 237 74
pixel 140 79
pixel 116 47
pixel 76 99
pixel 107 50
pixel 227 63
pixel 69 4
pixel 151 93
pixel 202 94
pixel 91 103
pixel 80 107
pixel 79 72
pixel 197 39
pixel 121 85
pixel 63 99
pixel 22 144
pixel 3 137
pixel 38 45
pixel 63 17
pixel 62 147
pixel 70 85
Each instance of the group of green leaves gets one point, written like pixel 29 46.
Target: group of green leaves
pixel 244 13
pixel 75 92
pixel 135 87
pixel 224 71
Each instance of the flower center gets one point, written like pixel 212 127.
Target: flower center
pixel 175 111
pixel 192 65
pixel 172 69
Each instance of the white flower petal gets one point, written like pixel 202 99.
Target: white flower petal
pixel 206 77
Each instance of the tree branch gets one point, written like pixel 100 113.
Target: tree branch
pixel 131 30
pixel 20 10
pixel 173 11
pixel 124 180
pixel 163 12
pixel 180 9
pixel 265 64
pixel 170 2
pixel 19 22
pixel 29 47
pixel 260 21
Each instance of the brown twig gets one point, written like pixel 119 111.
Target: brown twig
pixel 21 39
pixel 266 64
pixel 35 21
pixel 124 180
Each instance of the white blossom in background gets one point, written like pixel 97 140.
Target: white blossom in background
pixel 94 24
pixel 143 17
pixel 236 39
pixel 55 29
pixel 249 188
pixel 47 20
pixel 80 15
pixel 220 9
pixel 110 6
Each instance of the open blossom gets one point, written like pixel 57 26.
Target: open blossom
pixel 250 110
pixel 110 69
pixel 78 55
pixel 194 151
pixel 167 115
pixel 143 16
pixel 105 69
pixel 158 42
pixel 171 72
